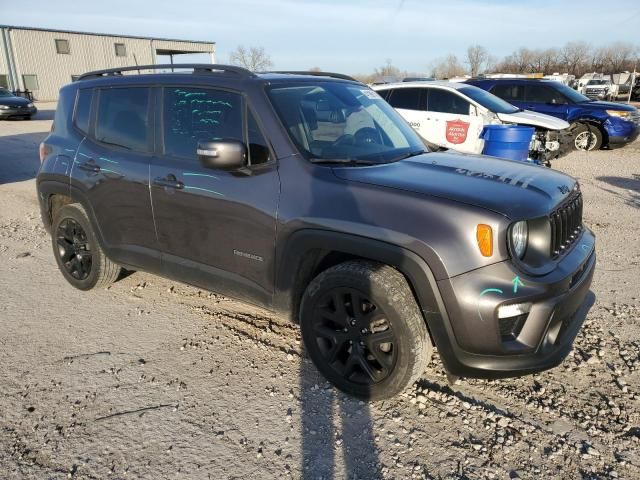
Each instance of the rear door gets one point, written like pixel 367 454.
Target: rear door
pixel 410 103
pixel 454 121
pixel 111 168
pixel 216 228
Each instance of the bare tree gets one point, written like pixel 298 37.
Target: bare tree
pixel 388 70
pixel 252 58
pixel 477 57
pixel 620 57
pixel 575 56
pixel 447 67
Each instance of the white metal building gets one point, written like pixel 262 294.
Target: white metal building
pixel 42 60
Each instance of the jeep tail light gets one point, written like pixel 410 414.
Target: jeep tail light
pixel 484 237
pixel 44 151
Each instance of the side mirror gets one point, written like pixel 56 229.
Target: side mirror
pixel 223 154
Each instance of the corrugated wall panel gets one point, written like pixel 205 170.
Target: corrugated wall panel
pixel 35 54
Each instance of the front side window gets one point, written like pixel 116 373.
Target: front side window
pixel 509 92
pixel 336 121
pixel 444 101
pixel 192 115
pixel 258 149
pixel 405 98
pixel 123 118
pixel 83 109
pixel 62 46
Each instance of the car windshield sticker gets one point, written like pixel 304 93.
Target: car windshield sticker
pixel 457 131
pixel 371 95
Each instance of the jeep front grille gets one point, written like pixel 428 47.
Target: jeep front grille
pixel 566 223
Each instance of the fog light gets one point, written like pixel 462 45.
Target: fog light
pixel 513 310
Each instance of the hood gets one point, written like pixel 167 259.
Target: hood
pixel 527 117
pixel 608 106
pixel 514 189
pixel 14 101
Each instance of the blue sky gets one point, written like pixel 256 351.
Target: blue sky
pixel 347 36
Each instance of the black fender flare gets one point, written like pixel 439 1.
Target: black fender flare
pixel 417 272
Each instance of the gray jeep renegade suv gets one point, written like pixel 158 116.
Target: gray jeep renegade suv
pixel 309 195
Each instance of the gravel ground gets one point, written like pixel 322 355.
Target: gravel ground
pixel 154 379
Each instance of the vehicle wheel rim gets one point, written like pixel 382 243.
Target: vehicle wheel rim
pixel 354 336
pixel 585 140
pixel 73 249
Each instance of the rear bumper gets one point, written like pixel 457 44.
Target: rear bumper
pixel 540 339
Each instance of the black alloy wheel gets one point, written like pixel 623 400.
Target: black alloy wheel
pixel 74 249
pixel 354 336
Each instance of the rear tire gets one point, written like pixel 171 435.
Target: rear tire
pixel 363 330
pixel 78 254
pixel 587 137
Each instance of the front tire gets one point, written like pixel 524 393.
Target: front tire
pixel 587 137
pixel 363 330
pixel 78 254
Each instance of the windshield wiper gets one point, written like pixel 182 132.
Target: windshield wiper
pixel 343 161
pixel 409 155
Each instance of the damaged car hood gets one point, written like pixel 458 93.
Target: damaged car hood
pixel 514 189
pixel 527 117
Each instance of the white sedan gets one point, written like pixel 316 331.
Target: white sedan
pixel 453 115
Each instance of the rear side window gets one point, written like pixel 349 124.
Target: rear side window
pixel 406 98
pixel 193 115
pixel 384 93
pixel 543 94
pixel 123 118
pixel 444 101
pixel 83 110
pixel 509 92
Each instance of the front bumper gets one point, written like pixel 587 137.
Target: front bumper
pixel 481 346
pixel 18 112
pixel 620 132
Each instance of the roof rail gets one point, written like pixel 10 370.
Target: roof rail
pixel 198 68
pixel 316 74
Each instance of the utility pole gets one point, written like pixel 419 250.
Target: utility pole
pixel 633 81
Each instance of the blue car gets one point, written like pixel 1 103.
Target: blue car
pixel 595 124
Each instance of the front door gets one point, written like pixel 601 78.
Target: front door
pixel 452 123
pixel 216 228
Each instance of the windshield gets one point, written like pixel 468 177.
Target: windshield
pixel 570 93
pixel 488 100
pixel 331 121
pixel 5 93
pixel 597 82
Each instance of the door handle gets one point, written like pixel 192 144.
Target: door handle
pixel 169 181
pixel 89 166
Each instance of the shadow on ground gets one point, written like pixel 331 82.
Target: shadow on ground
pixel 632 186
pixel 333 425
pixel 19 158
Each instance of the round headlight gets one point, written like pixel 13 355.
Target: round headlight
pixel 519 234
pixel 30 105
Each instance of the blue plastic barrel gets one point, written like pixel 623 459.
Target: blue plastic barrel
pixel 507 141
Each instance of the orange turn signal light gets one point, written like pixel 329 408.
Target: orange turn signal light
pixel 484 237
